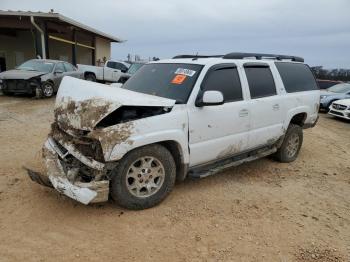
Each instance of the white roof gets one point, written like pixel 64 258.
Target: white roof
pixel 61 18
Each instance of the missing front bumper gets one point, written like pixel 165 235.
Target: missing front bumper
pixel 56 177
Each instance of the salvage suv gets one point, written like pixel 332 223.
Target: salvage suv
pixel 186 116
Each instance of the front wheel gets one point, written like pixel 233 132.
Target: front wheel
pixel 291 145
pixel 144 177
pixel 47 89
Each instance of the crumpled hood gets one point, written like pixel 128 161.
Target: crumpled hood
pixel 82 104
pixel 20 74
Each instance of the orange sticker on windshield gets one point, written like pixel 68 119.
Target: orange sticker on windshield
pixel 178 79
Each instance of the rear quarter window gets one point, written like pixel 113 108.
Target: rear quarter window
pixel 260 80
pixel 296 77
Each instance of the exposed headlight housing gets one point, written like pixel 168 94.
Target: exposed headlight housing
pixel 34 82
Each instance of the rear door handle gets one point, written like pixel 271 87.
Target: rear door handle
pixel 276 107
pixel 243 113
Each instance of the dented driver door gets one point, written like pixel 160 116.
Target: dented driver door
pixel 219 131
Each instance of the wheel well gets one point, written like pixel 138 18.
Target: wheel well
pixel 89 73
pixel 299 119
pixel 175 150
pixel 330 102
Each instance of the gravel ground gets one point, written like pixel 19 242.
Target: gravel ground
pixel 260 211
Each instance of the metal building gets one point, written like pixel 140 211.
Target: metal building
pixel 26 35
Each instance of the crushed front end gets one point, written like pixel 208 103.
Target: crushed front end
pixel 75 167
pixel 91 120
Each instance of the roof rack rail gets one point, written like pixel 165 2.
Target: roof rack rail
pixel 261 56
pixel 195 56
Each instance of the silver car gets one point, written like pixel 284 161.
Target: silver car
pixel 40 77
pixel 334 93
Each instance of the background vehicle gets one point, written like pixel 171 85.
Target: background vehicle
pixel 37 76
pixel 340 108
pixel 324 84
pixel 110 72
pixel 336 92
pixel 191 115
pixel 132 70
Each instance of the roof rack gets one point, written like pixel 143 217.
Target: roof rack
pixel 195 56
pixel 261 56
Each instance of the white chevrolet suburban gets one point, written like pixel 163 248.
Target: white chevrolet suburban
pixel 186 116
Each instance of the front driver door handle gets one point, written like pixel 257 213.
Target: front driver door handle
pixel 243 113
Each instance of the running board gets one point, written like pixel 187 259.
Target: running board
pixel 210 169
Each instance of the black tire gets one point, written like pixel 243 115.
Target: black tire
pixel 284 154
pixel 120 180
pixel 48 89
pixel 90 77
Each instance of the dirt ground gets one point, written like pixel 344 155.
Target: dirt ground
pixel 260 211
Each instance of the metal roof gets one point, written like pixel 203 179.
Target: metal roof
pixel 60 18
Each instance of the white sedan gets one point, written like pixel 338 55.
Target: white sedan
pixel 340 108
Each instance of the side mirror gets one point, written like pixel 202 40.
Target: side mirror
pixel 210 98
pixel 123 70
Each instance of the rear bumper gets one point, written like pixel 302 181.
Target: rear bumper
pixel 61 178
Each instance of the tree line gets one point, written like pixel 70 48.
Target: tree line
pixel 338 74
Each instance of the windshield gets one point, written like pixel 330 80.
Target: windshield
pixel 340 88
pixel 173 81
pixel 37 65
pixel 133 68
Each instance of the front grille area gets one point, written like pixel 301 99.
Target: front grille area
pixel 15 84
pixel 338 106
pixel 336 113
pixel 87 146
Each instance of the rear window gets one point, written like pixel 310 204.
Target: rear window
pixel 174 81
pixel 69 67
pixel 260 80
pixel 296 77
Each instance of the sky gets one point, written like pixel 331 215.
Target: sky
pixel 317 30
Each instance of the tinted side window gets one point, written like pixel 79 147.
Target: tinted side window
pixel 60 68
pixel 296 77
pixel 225 80
pixel 111 64
pixel 69 67
pixel 260 80
pixel 120 66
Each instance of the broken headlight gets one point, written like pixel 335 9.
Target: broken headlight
pixel 34 82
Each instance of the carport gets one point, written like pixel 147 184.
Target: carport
pixel 26 35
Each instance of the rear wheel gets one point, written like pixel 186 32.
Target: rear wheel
pixel 144 177
pixel 291 145
pixel 90 77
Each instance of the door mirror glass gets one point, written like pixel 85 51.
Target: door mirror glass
pixel 211 98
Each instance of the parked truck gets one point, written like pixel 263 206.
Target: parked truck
pixel 110 72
